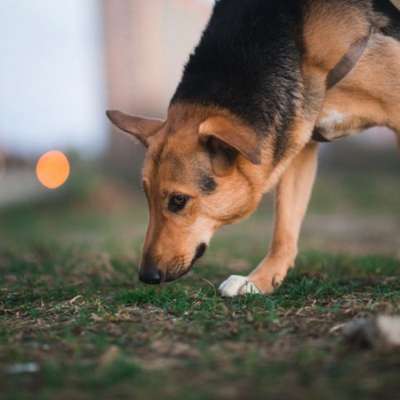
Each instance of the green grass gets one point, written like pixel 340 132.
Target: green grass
pixel 70 302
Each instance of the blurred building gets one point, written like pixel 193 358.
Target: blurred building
pixel 63 64
pixel 52 77
pixel 147 46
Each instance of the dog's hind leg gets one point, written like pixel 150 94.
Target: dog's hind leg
pixel 292 198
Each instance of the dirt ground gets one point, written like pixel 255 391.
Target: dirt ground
pixel 75 323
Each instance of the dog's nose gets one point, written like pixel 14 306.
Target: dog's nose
pixel 149 272
pixel 150 275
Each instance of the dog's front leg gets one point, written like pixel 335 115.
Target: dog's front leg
pixel 292 198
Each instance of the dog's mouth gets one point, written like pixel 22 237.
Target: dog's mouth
pixel 200 250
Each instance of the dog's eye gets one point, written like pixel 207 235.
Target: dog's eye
pixel 177 202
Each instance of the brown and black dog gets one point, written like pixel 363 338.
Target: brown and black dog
pixel 268 80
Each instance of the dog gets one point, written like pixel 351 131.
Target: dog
pixel 268 81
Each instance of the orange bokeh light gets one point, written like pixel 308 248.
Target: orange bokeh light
pixel 52 169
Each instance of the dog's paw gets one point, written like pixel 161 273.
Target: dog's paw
pixel 237 285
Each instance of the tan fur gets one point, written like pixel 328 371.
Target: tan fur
pixel 396 3
pixel 369 95
pixel 324 24
pixel 141 128
pixel 245 141
pixel 170 167
pixel 292 197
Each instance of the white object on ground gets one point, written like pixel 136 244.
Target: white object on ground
pixel 237 285
pixel 23 368
pixel 389 328
pixel 382 331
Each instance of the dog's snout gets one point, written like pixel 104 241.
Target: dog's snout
pixel 149 272
pixel 150 276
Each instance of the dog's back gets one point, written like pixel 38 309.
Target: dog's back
pixel 249 60
pixel 390 9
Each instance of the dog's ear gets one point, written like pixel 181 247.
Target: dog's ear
pixel 140 128
pixel 226 140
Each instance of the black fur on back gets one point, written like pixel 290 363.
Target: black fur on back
pixel 249 58
pixel 386 8
pixel 248 61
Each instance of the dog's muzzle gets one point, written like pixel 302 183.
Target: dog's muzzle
pixel 149 272
pixel 150 276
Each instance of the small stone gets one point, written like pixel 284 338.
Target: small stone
pixel 380 332
pixel 389 328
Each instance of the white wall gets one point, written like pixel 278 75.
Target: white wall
pixel 51 76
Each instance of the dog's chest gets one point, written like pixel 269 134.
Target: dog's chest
pixel 334 124
pixel 331 119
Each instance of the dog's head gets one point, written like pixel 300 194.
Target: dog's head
pixel 200 173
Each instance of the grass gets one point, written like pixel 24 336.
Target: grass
pixel 71 304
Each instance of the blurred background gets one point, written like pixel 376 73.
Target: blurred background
pixel 63 64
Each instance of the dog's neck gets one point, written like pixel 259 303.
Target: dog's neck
pixel 233 67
